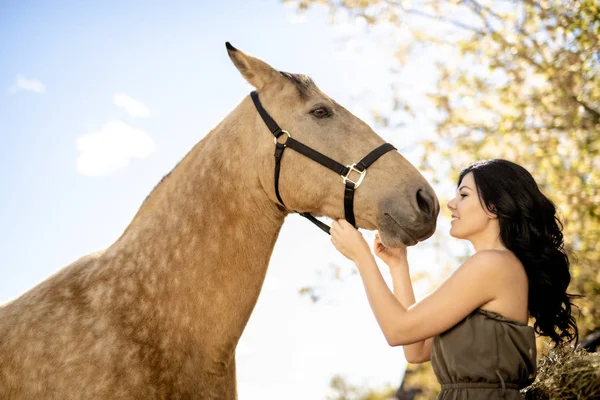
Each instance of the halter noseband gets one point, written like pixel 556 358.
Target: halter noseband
pixel 344 171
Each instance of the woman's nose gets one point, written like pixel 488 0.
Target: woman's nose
pixel 450 205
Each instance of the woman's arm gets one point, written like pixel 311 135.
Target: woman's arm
pixel 472 285
pixel 418 352
pixel 477 282
pixel 397 261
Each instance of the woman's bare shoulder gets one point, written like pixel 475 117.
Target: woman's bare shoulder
pixel 498 266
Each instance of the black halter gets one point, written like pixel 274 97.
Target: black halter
pixel 344 171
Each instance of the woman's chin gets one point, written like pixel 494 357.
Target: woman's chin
pixel 455 234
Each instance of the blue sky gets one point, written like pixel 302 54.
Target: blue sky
pixel 139 83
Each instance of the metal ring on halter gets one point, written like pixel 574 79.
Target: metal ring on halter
pixel 360 178
pixel 282 131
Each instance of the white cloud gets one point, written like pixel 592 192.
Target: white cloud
pixel 31 85
pixel 111 148
pixel 134 108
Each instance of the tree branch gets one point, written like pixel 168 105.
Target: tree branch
pixel 477 9
pixel 414 11
pixel 451 21
pixel 588 108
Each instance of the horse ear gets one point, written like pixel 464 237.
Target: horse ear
pixel 257 72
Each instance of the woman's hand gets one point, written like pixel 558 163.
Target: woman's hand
pixel 348 240
pixel 391 256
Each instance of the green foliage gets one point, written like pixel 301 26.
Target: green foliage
pixel 420 381
pixel 535 100
pixel 520 80
pixel 342 390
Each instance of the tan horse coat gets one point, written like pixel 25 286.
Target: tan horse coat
pixel 159 313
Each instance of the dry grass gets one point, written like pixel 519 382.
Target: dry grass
pixel 566 374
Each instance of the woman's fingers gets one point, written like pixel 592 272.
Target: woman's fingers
pixel 378 243
pixel 335 227
pixel 343 223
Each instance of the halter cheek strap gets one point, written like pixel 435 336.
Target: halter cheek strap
pixel 344 171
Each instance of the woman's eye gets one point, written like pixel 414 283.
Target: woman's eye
pixel 463 195
pixel 320 112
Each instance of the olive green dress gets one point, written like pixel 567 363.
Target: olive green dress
pixel 485 356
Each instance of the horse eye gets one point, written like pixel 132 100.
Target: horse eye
pixel 320 112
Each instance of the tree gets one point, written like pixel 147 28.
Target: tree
pixel 419 383
pixel 516 79
pixel 524 85
pixel 342 390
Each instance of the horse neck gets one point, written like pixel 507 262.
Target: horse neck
pixel 202 240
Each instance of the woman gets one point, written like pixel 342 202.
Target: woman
pixel 474 327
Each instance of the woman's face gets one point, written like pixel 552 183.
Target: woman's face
pixel 468 214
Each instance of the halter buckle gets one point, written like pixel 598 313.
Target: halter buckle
pixel 360 178
pixel 282 131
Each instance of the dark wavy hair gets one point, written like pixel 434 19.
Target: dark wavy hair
pixel 530 229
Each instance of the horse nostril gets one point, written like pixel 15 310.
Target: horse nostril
pixel 425 202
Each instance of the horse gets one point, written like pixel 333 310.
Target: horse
pixel 158 314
